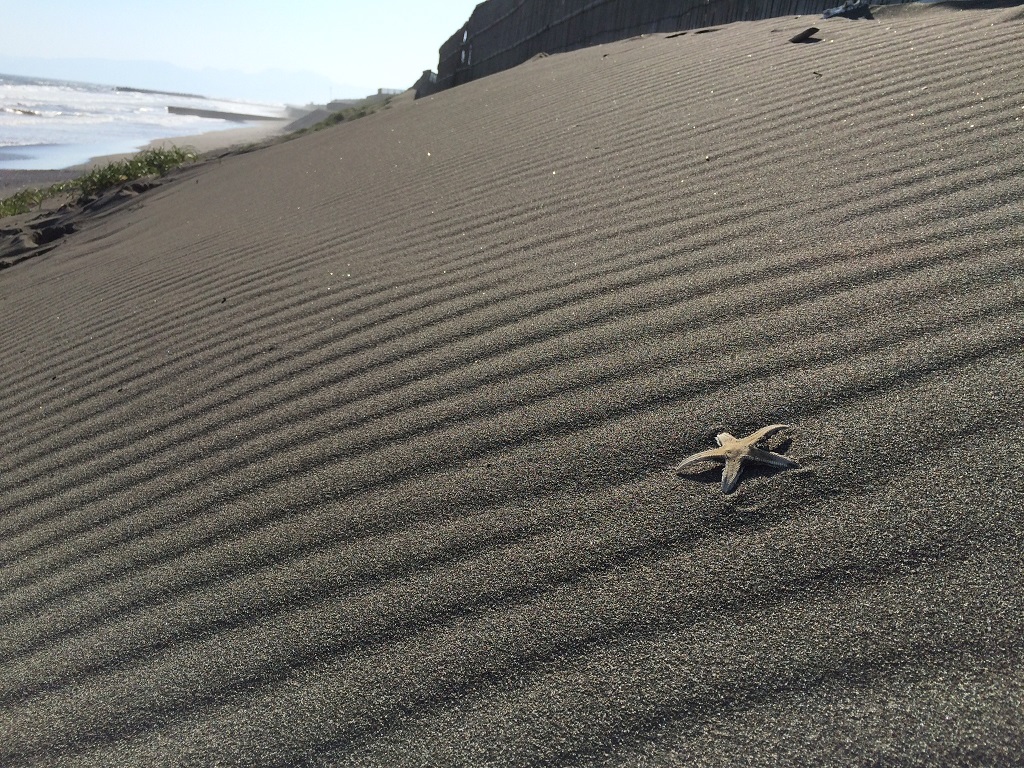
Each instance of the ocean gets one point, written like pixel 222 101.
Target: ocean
pixel 55 124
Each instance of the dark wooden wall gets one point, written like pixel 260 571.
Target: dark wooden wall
pixel 503 33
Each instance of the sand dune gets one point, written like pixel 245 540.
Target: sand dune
pixel 358 449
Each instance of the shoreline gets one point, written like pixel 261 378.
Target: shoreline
pixel 13 181
pixel 209 141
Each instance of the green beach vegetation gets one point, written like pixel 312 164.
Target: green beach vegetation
pixel 362 109
pixel 151 162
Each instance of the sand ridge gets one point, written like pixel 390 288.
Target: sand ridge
pixel 358 449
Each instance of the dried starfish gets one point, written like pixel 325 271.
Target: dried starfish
pixel 735 451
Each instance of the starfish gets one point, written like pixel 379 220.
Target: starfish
pixel 735 451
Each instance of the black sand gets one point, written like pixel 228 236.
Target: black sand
pixel 357 450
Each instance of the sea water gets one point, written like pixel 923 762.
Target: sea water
pixel 53 124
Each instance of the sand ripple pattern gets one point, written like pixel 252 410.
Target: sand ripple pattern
pixel 357 450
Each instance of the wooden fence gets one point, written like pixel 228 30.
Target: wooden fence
pixel 503 33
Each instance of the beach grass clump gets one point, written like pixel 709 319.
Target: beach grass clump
pixel 27 199
pixel 151 162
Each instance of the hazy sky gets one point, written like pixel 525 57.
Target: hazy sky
pixel 356 46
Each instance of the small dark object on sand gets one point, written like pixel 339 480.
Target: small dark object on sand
pixel 803 36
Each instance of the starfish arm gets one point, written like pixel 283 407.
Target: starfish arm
pixel 731 475
pixel 762 433
pixel 708 455
pixel 771 459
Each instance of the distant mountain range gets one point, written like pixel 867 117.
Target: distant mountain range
pixel 274 86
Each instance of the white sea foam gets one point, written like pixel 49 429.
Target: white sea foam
pixel 55 124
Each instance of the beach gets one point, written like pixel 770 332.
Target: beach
pixel 359 449
pixel 12 181
pixel 58 124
